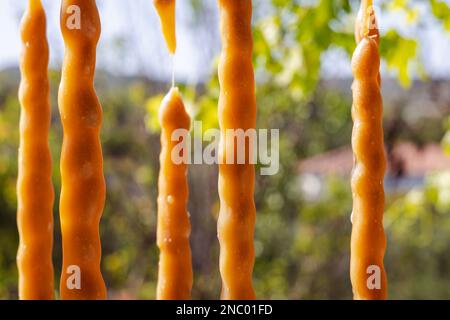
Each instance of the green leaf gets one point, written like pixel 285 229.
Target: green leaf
pixel 441 11
pixel 399 53
pixel 152 106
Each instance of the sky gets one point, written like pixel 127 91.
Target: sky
pixel 134 24
pixel 131 21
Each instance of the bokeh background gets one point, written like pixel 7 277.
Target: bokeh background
pixel 302 51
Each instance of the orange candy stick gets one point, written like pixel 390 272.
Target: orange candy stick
pixel 237 110
pixel 166 12
pixel 175 264
pixel 368 241
pixel 366 23
pixel 34 185
pixel 83 184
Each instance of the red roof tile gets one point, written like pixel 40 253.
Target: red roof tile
pixel 406 159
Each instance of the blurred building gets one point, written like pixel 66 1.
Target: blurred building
pixel 413 129
pixel 408 164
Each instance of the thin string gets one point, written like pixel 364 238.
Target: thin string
pixel 173 70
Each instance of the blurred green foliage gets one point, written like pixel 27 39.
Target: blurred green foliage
pixel 302 246
pixel 442 12
pixel 418 225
